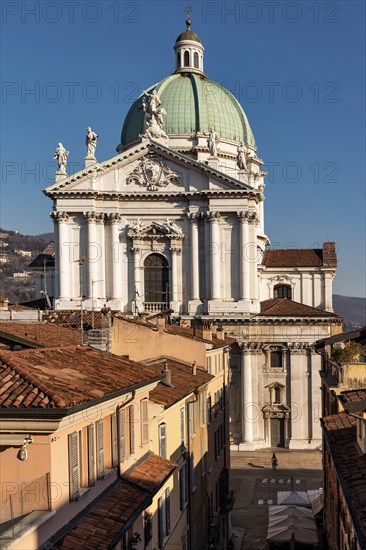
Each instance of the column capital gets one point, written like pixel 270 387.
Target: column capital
pixel 194 216
pixel 90 215
pixel 212 216
pixel 299 347
pixel 59 216
pixel 113 217
pixel 99 217
pixel 252 347
pixel 243 215
pixel 135 249
pixel 176 250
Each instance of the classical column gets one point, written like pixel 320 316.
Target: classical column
pixel 92 253
pixel 64 254
pixel 252 255
pixel 215 268
pixel 246 393
pixel 195 273
pixel 100 285
pixel 244 285
pixel 176 251
pixel 116 258
pixel 299 396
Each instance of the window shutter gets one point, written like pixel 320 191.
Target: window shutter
pixel 144 422
pixel 182 430
pixel 201 409
pixel 183 485
pixel 114 438
pixel 162 440
pixel 132 429
pixel 74 466
pixel 167 511
pixel 193 478
pixel 91 455
pixel 100 447
pixel 209 409
pixel 160 522
pixel 122 434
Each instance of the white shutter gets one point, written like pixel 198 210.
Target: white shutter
pixel 74 466
pixel 100 448
pixel 144 421
pixel 132 429
pixel 91 455
pixel 162 440
pixel 182 426
pixel 114 438
pixel 122 434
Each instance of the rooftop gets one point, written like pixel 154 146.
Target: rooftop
pixel 340 434
pixel 283 306
pixel 66 376
pixel 183 381
pixel 306 257
pixel 151 473
pixel 38 334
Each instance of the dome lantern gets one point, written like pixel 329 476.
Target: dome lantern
pixel 188 52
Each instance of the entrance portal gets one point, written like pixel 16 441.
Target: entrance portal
pixel 277 432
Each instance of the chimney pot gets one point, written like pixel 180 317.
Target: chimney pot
pixel 194 368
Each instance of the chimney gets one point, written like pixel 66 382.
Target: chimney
pixel 206 330
pixel 329 255
pixel 220 333
pixel 194 368
pixel 4 304
pixel 167 380
pixel 160 323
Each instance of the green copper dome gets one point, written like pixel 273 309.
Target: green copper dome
pixel 193 104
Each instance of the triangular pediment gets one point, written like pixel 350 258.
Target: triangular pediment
pixel 154 230
pixel 148 168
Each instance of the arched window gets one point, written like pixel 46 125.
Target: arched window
pixel 156 276
pixel 178 60
pixel 186 59
pixel 282 291
pixel 196 60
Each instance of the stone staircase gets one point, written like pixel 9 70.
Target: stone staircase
pixel 286 459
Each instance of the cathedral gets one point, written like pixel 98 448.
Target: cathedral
pixel 175 221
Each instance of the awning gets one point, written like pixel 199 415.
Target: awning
pixel 288 523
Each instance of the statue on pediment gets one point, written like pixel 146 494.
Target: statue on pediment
pixel 61 156
pixel 91 142
pixel 212 141
pixel 241 160
pixel 151 105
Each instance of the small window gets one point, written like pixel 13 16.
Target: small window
pixel 277 394
pixel 276 359
pixel 186 59
pixel 182 425
pixel 196 60
pixel 178 60
pixel 191 418
pixel 162 440
pixel 283 291
pixel 144 422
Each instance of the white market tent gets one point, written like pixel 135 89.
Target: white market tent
pixel 297 498
pixel 291 523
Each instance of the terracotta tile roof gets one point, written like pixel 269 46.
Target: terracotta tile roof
pixel 182 379
pixel 340 434
pixel 108 519
pixel 151 473
pixel 306 257
pixel 39 334
pixel 71 318
pixel 352 396
pixel 283 306
pixel 65 376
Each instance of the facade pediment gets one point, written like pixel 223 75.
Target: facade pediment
pixel 152 168
pixel 154 230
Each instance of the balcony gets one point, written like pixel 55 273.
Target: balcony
pixel 24 509
pixel 155 307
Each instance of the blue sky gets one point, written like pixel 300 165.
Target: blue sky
pixel 298 69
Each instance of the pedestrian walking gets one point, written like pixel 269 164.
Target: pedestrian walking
pixel 274 461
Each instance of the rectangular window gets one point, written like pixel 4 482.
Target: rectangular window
pixel 202 408
pixel 91 455
pixel 114 440
pixel 100 448
pixel 192 418
pixel 74 471
pixel 144 422
pixel 193 474
pixel 182 425
pixel 167 511
pixel 183 486
pixel 209 410
pixel 162 440
pixel 122 434
pixel 276 359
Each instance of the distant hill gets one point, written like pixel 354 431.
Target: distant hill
pixel 353 310
pixel 47 237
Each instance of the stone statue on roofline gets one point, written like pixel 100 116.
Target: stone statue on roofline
pixel 241 156
pixel 91 142
pixel 212 141
pixel 151 105
pixel 61 156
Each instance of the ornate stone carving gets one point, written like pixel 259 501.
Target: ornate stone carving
pixel 176 250
pixel 243 215
pixel 152 174
pixel 153 116
pixel 241 160
pixel 96 217
pixel 155 230
pixel 194 216
pixel 213 216
pixel 114 217
pixel 59 216
pixel 212 141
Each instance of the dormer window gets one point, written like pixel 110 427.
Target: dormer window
pixel 282 291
